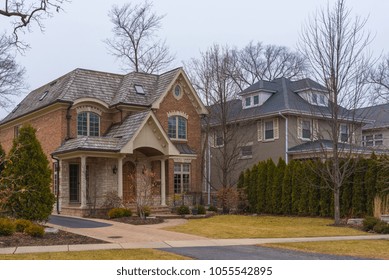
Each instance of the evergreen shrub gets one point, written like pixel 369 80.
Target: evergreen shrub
pixel 7 227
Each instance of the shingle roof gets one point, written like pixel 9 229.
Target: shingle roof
pixel 326 145
pixel 113 141
pixel 378 116
pixel 284 98
pixel 184 149
pixel 104 144
pixel 111 88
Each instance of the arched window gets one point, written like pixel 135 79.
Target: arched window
pixel 88 124
pixel 177 127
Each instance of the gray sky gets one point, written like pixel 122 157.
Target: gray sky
pixel 74 38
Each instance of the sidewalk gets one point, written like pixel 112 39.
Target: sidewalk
pixel 126 236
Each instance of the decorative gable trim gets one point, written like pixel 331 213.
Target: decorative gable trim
pixel 178 113
pixel 182 79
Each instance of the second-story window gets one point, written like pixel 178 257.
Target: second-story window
pixel 88 124
pixel 177 127
pixel 343 133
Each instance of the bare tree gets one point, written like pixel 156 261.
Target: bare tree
pixel 135 42
pixel 335 45
pixel 23 13
pixel 11 74
pixel 212 78
pixel 380 80
pixel 257 61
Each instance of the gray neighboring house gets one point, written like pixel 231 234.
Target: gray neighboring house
pixel 375 134
pixel 279 119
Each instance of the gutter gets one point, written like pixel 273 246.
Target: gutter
pixel 286 136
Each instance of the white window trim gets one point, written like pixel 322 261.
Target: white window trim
pixel 275 130
pixel 348 133
pixel 186 127
pixel 215 145
pixel 88 123
pixel 249 144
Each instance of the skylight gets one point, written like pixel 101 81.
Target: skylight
pixel 43 95
pixel 139 89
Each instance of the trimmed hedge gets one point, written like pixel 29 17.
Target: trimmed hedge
pixel 7 227
pixel 296 189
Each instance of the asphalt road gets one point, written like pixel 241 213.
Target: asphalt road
pixel 250 253
pixel 75 222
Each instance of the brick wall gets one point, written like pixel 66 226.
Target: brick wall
pixel 184 105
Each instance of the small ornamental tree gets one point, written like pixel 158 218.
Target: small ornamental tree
pixel 27 175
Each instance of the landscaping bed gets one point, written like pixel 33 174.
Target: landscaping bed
pixel 138 220
pixel 61 238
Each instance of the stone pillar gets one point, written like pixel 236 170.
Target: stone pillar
pixel 83 182
pixel 163 183
pixel 120 177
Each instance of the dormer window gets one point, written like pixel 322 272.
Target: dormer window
pixel 139 89
pixel 248 101
pixel 254 100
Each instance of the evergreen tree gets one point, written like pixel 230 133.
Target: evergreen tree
pixel 253 187
pixel 269 186
pixel 370 184
pixel 296 185
pixel 286 192
pixel 28 175
pixel 262 182
pixel 277 186
pixel 359 193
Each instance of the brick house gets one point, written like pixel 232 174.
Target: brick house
pixel 279 119
pixel 101 130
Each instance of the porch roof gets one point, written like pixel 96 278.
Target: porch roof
pixel 320 146
pixel 104 144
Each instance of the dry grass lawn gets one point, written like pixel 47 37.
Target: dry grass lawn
pixel 234 226
pixel 372 249
pixel 130 254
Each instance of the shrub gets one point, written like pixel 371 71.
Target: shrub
pixel 35 230
pixel 369 223
pixel 183 210
pixel 146 211
pixel 119 213
pixel 7 227
pixel 381 227
pixel 22 224
pixel 212 208
pixel 200 209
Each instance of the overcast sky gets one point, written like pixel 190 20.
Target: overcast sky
pixel 74 38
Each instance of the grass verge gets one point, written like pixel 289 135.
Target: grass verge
pixel 234 226
pixel 371 249
pixel 129 254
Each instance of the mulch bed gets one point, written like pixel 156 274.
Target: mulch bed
pixel 61 238
pixel 138 221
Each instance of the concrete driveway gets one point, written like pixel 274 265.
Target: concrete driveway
pixel 115 232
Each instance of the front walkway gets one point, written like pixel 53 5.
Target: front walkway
pixel 126 236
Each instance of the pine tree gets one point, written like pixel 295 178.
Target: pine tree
pixel 269 186
pixel 2 158
pixel 262 182
pixel 370 184
pixel 28 174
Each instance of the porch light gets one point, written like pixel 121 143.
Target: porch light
pixel 114 169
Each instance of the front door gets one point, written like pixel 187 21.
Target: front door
pixel 74 183
pixel 129 182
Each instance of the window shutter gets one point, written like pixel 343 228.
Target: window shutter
pixel 299 128
pixel 276 130
pixel 315 129
pixel 259 130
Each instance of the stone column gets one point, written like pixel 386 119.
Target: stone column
pixel 120 177
pixel 83 182
pixel 163 183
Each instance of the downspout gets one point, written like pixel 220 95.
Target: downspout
pixel 286 137
pixel 209 171
pixel 68 119
pixel 56 179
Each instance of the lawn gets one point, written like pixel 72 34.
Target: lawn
pixel 372 249
pixel 130 254
pixel 233 226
